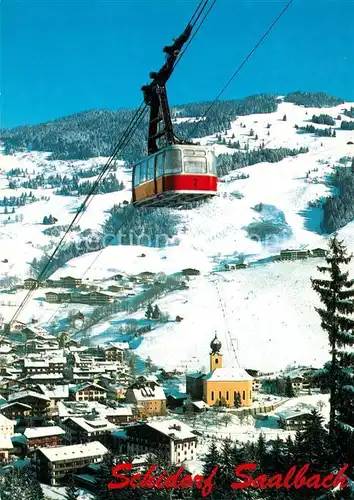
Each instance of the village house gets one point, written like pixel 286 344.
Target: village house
pixel 6 426
pixel 16 411
pixel 52 297
pixel 79 298
pixel 299 384
pixel 146 277
pixel 70 282
pixel 72 344
pixel 15 326
pixel 44 378
pixel 256 385
pixel 53 365
pixel 55 394
pixel 88 392
pixel 175 399
pixel 110 367
pixel 229 387
pixel 115 351
pixel 86 375
pixel 116 288
pixel 293 420
pixel 82 360
pixel 8 385
pixel 294 254
pixel 231 267
pixel 190 272
pixel 47 437
pixel 5 447
pixel 37 345
pixel 196 406
pixel 55 465
pixel 38 403
pixel 30 283
pixel 194 385
pixel 33 331
pixel 149 398
pixel 119 415
pixel 318 252
pixel 84 430
pixel 171 438
pixel 99 298
pixel 117 388
pixel 5 342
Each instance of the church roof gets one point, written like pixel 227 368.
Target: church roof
pixel 228 375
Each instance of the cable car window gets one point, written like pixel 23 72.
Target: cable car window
pixel 159 165
pixel 142 172
pixel 213 169
pixel 151 168
pixel 173 162
pixel 136 175
pixel 194 152
pixel 195 165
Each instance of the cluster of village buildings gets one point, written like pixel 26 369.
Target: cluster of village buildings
pixel 63 408
pixel 288 254
pixel 73 290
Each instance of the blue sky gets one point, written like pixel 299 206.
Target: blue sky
pixel 61 57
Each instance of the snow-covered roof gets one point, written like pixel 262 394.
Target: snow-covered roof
pixel 119 411
pixel 228 375
pixel 291 413
pixel 6 349
pixel 4 420
pixel 8 405
pixel 88 370
pixel 75 451
pixel 82 387
pixel 46 376
pixel 118 345
pixel 93 425
pixel 38 432
pixel 5 442
pixel 57 392
pixel 173 428
pixel 200 404
pixel 72 409
pixel 148 393
pixel 25 394
pixel 30 363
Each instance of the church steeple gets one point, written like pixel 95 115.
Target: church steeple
pixel 215 356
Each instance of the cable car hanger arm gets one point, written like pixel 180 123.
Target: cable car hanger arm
pixel 155 96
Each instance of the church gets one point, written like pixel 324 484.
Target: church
pixel 231 387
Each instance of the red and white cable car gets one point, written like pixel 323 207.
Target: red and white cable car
pixel 174 173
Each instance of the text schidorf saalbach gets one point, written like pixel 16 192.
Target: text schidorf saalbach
pixel 294 478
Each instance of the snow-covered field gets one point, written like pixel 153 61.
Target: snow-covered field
pixel 266 311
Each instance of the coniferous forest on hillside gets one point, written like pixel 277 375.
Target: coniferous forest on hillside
pixel 95 133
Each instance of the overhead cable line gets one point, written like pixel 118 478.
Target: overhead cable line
pixel 225 322
pixel 198 28
pixel 249 55
pixel 134 123
pixel 138 116
pixel 112 237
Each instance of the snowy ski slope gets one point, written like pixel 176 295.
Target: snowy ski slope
pixel 269 309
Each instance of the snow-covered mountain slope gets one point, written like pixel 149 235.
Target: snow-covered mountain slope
pixel 268 309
